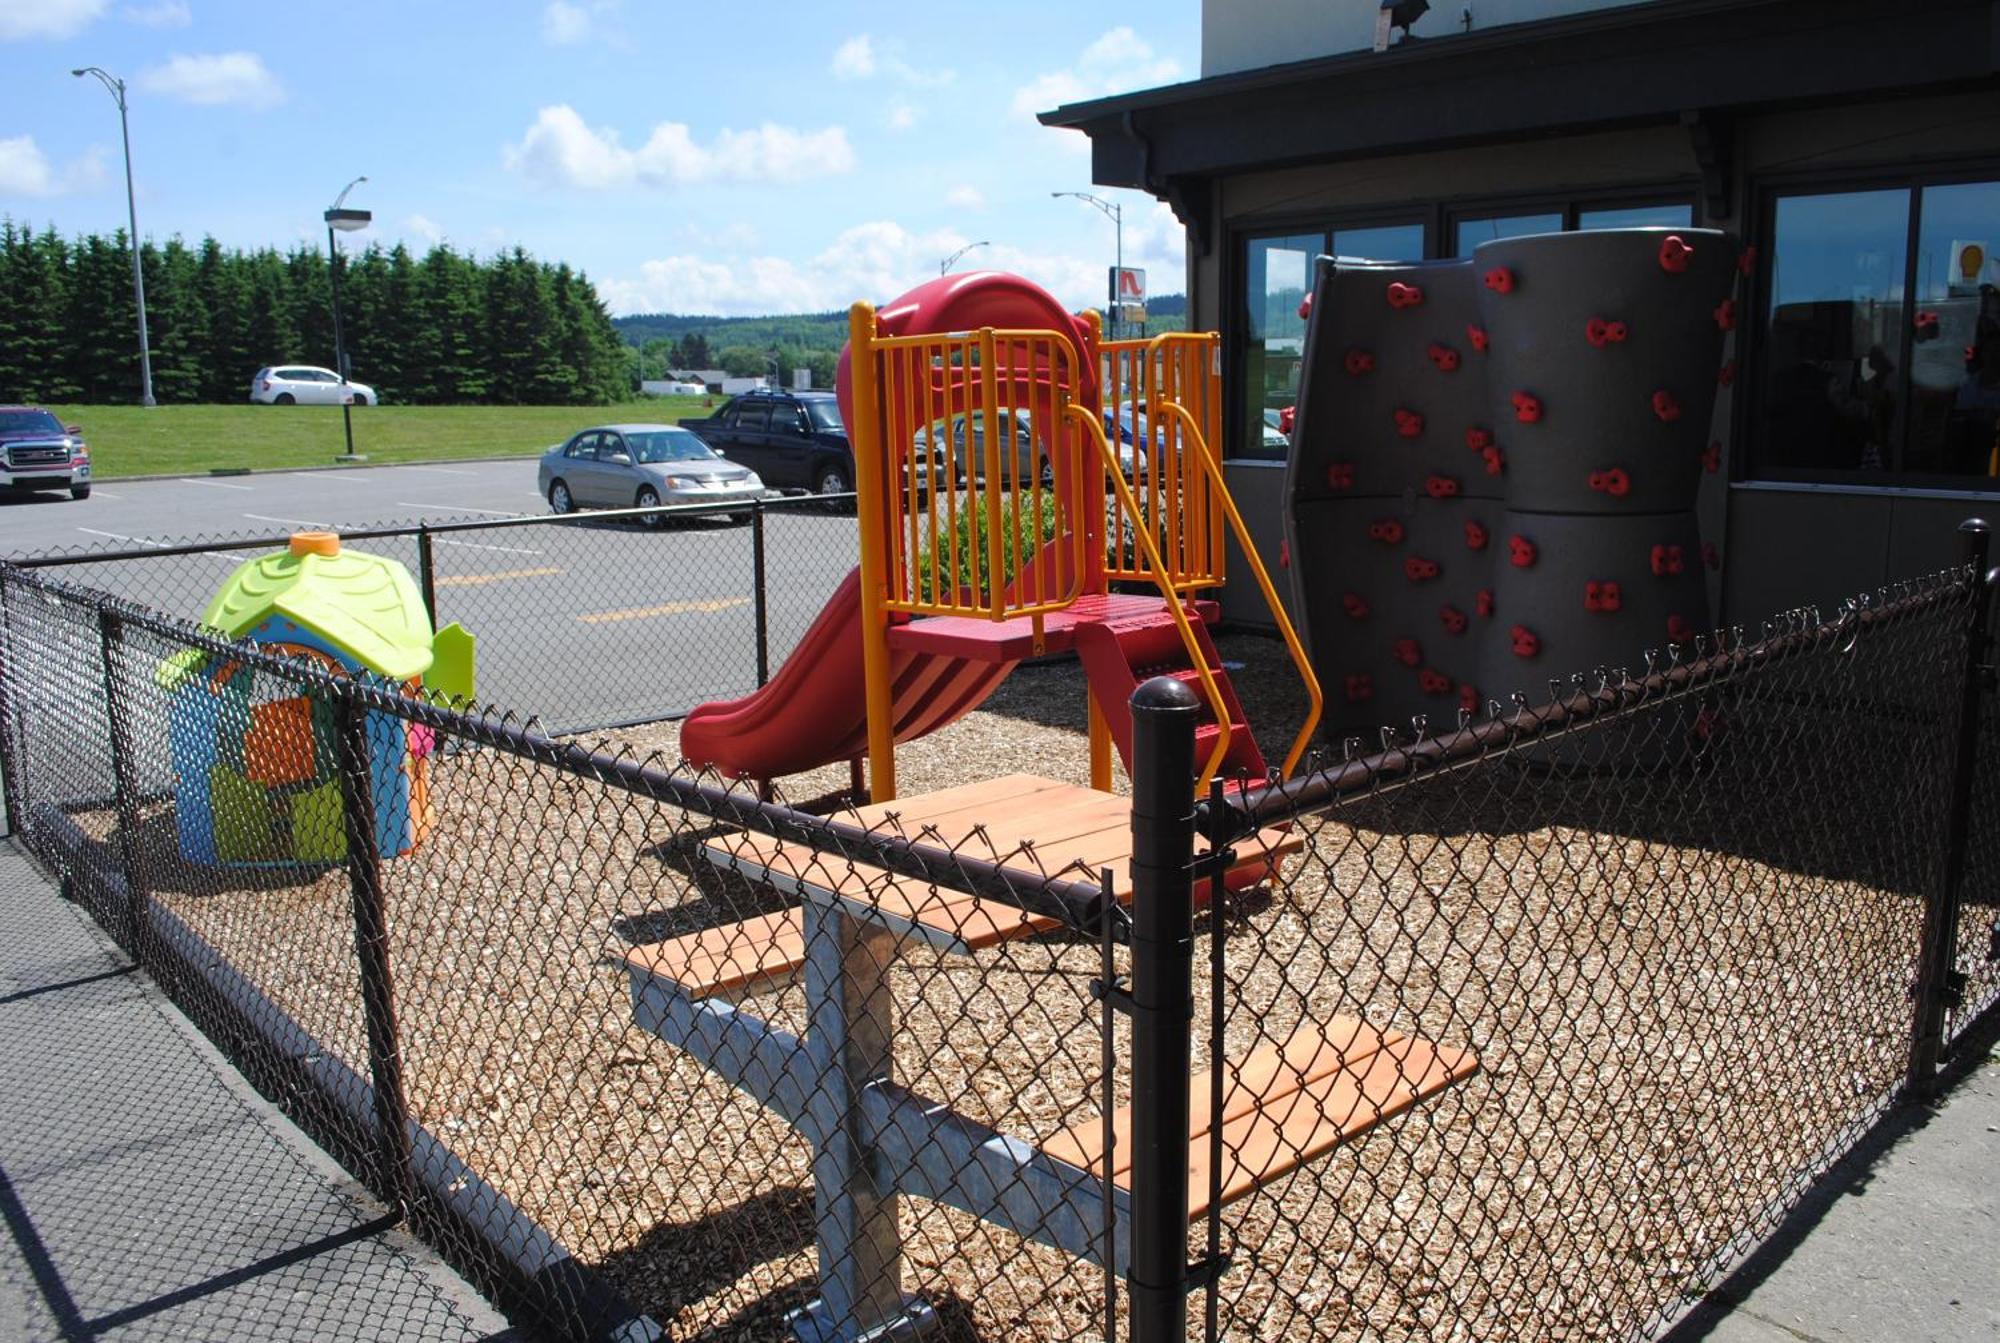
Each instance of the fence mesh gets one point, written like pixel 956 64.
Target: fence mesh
pixel 1523 1031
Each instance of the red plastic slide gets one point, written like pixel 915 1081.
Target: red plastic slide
pixel 813 712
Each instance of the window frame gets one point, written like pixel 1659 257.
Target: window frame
pixel 1766 190
pixel 1571 205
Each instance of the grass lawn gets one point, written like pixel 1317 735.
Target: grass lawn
pixel 133 441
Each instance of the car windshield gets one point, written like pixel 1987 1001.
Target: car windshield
pixel 825 415
pixel 667 445
pixel 29 422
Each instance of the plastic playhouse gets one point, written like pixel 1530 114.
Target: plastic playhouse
pixel 255 767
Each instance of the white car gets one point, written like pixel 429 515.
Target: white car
pixel 306 385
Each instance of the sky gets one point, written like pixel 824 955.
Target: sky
pixel 788 157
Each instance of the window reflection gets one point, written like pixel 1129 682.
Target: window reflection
pixel 1833 396
pixel 1279 276
pixel 1474 231
pixel 1637 216
pixel 1955 335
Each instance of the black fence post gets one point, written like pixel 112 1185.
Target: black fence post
pixel 1937 986
pixel 763 606
pixel 427 572
pixel 371 947
pixel 132 917
pixel 1164 713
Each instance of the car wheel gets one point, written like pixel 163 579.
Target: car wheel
pixel 79 491
pixel 284 399
pixel 648 497
pixel 559 498
pixel 831 478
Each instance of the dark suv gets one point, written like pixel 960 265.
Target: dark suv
pixel 793 440
pixel 40 452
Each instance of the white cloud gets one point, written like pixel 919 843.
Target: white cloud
pixel 165 14
pixel 561 150
pixel 26 171
pixel 565 24
pixel 878 260
pixel 47 18
pixel 855 58
pixel 966 198
pixel 424 227
pixel 903 117
pixel 1117 62
pixel 230 77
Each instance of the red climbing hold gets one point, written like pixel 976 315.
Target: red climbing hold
pixel 1420 570
pixel 1468 699
pixel 1340 476
pixel 1527 407
pixel 1359 361
pixel 1475 536
pixel 1440 487
pixel 1726 375
pixel 1711 457
pixel 1679 630
pixel 1667 406
pixel 1360 688
pixel 1601 597
pixel 1453 619
pixel 1710 556
pixel 1444 357
pixel 1525 644
pixel 1500 280
pixel 1409 423
pixel 1496 461
pixel 1355 605
pixel 1305 307
pixel 1478 439
pixel 1434 682
pixel 1613 482
pixel 1927 325
pixel 1594 331
pixel 1725 315
pixel 1404 295
pixel 1666 560
pixel 1386 530
pixel 1674 254
pixel 1483 602
pixel 1285 553
pixel 1287 417
pixel 1407 651
pixel 1747 261
pixel 1477 335
pixel 1520 552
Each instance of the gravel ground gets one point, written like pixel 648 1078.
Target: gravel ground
pixel 1669 1032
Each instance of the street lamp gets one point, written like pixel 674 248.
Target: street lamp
pixel 346 221
pixel 944 266
pixel 116 88
pixel 1117 214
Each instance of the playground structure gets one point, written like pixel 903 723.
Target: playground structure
pixel 1495 461
pixel 256 778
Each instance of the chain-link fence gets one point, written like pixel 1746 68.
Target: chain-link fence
pixel 587 621
pixel 1522 1030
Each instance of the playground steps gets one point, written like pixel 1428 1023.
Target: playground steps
pixel 1050 825
pixel 1288 1103
pixel 1122 653
pixel 1013 640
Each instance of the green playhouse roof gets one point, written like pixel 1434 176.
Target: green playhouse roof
pixel 365 605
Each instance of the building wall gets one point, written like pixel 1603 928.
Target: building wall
pixel 1247 34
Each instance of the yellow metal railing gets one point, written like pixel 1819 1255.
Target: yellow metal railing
pixel 1178 501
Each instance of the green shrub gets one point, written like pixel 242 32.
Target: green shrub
pixel 1022 536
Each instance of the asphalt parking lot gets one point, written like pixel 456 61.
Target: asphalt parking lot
pixel 584 623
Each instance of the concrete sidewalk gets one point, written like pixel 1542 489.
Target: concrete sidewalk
pixel 147 1192
pixel 1901 1243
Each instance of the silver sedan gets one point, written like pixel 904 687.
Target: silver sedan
pixel 641 466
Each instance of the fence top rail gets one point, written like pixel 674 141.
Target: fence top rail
pixel 1618 694
pixel 211 545
pixel 1080 901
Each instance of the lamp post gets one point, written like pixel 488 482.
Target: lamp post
pixel 944 266
pixel 346 221
pixel 1117 214
pixel 116 88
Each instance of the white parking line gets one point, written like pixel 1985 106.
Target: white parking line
pixel 302 522
pixel 106 494
pixel 229 559
pixel 475 545
pixel 439 470
pixel 216 484
pixel 457 508
pixel 115 536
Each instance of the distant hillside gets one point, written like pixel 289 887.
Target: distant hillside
pixel 816 330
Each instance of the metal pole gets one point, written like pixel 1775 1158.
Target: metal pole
pixel 138 271
pixel 371 948
pixel 340 344
pixel 1936 987
pixel 427 572
pixel 1164 713
pixel 763 609
pixel 131 921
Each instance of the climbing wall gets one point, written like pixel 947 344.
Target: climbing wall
pixel 1495 463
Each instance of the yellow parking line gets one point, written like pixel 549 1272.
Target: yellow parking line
pixel 664 609
pixel 481 580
